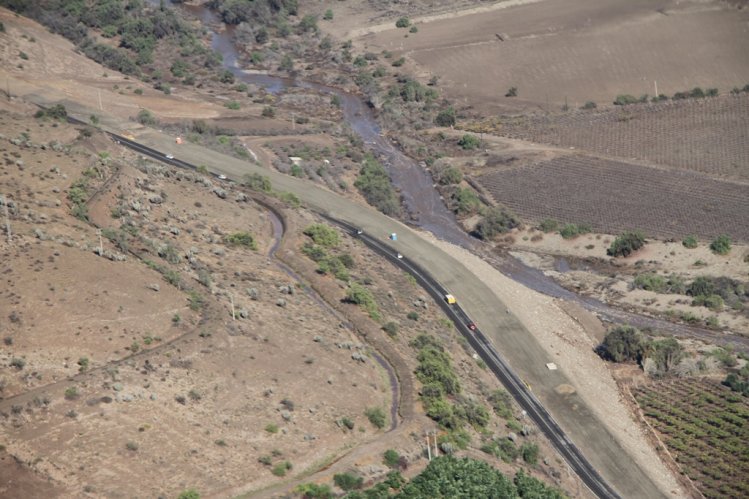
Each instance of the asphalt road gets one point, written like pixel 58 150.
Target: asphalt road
pixel 502 336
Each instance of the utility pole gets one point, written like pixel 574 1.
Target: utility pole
pixel 655 83
pixel 429 447
pixel 7 220
pixel 231 299
pixel 101 245
pixel 293 122
pixel 101 108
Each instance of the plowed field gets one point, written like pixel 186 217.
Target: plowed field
pixel 706 135
pixel 614 196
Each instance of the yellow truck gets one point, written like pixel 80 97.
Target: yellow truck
pixel 450 299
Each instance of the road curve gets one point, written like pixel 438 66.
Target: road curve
pixel 481 344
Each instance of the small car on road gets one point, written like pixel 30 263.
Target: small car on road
pixel 170 156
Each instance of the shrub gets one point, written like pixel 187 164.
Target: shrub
pixel 468 142
pixel 347 422
pixel 323 235
pixel 713 302
pixel 623 343
pixel 721 245
pixel 244 239
pixel 131 446
pixel 512 92
pixel 625 99
pixel 689 242
pixel 589 105
pixel 391 328
pixel 446 117
pixel 626 244
pixel 145 117
pixel 268 112
pixel 348 481
pixel 271 428
pixel 280 469
pixel 376 416
pixel 257 182
pixel 374 184
pixel 413 316
pixel 17 363
pixel 402 22
pixel 413 29
pixel 328 16
pixel 571 231
pixel 233 105
pixel 529 451
pixel 399 62
pixel 501 402
pixel 361 296
pixel 71 393
pixel 496 221
pixel 314 491
pixel 450 175
pixel 466 201
pixel 189 494
pixel 391 458
pixel 548 225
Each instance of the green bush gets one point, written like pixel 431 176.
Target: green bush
pixel 450 175
pixel 501 402
pixel 548 225
pixel 376 416
pixel 571 231
pixel 447 476
pixel 402 22
pixel 721 245
pixel 512 92
pixel 374 184
pixel 469 141
pixel 689 242
pixel 626 244
pixel 529 451
pixel 361 296
pixel 314 491
pixel 623 343
pixel 348 481
pixel 625 99
pixel 496 221
pixel 323 235
pixel 446 117
pixel 233 105
pixel 391 458
pixel 244 239
pixel 257 182
pixel 145 117
pixel 589 105
pixel 391 328
pixel 466 201
pixel 189 494
pixel 328 16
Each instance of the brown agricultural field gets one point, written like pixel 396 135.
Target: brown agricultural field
pixel 708 135
pixel 614 196
pixel 576 51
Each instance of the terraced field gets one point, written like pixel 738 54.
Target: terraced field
pixel 706 428
pixel 707 135
pixel 614 196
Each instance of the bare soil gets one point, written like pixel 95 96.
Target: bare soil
pixel 577 52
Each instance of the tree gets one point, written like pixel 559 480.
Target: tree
pixel 626 244
pixel 323 235
pixel 189 494
pixel 623 343
pixel 145 117
pixel 450 175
